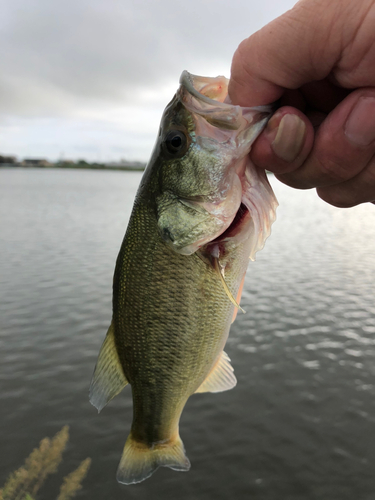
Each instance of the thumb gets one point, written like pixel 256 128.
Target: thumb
pixel 298 47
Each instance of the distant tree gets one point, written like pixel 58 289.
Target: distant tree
pixel 7 159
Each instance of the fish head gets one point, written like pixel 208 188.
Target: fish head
pixel 199 162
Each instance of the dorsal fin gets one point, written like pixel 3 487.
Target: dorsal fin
pixel 221 377
pixel 108 379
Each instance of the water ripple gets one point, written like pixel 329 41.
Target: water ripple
pixel 297 425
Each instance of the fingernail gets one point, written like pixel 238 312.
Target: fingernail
pixel 289 138
pixel 360 126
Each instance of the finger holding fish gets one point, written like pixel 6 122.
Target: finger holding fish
pixel 342 154
pixel 337 158
pixel 285 143
pixel 318 58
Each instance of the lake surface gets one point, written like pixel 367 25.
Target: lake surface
pixel 299 425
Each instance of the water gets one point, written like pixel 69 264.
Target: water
pixel 299 425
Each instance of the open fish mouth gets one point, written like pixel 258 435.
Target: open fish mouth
pixel 253 203
pixel 206 96
pixel 227 195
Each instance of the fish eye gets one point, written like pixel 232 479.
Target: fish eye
pixel 175 142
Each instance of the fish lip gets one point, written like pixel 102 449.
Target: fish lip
pixel 187 81
pixel 215 111
pixel 233 232
pixel 221 115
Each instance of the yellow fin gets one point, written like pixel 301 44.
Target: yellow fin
pixel 220 272
pixel 139 461
pixel 108 379
pixel 221 377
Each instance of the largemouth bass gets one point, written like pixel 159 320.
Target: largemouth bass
pixel 202 209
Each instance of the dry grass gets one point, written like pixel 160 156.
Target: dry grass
pixel 72 482
pixel 24 483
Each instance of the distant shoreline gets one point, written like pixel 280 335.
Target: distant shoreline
pixel 75 167
pixel 94 166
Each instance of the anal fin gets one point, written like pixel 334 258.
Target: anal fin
pixel 108 379
pixel 221 377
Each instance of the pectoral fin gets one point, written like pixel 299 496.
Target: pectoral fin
pixel 221 377
pixel 108 379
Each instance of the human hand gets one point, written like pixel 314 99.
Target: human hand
pixel 319 60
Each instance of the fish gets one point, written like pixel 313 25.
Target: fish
pixel 201 211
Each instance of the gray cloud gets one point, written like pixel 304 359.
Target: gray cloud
pixel 61 59
pixel 96 49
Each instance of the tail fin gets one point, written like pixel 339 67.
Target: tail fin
pixel 138 461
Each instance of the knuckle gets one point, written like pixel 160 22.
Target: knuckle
pixel 240 69
pixel 358 189
pixel 333 167
pixel 346 195
pixel 369 172
pixel 336 198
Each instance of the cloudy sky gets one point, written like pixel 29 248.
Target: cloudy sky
pixel 90 78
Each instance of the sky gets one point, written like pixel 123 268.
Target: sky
pixel 89 79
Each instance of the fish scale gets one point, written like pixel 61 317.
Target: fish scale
pixel 179 268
